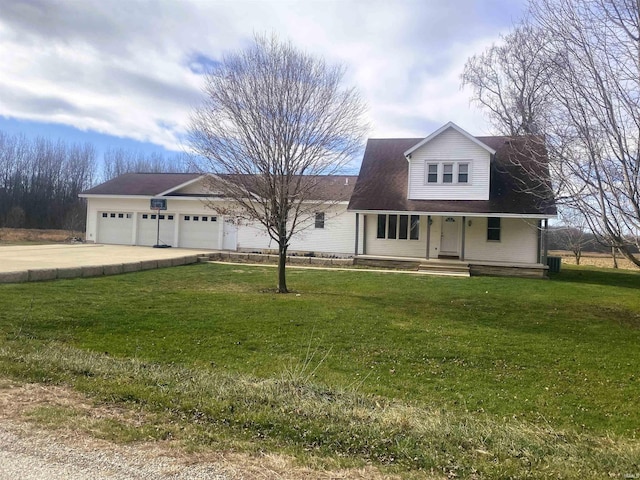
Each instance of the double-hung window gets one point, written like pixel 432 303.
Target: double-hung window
pixel 493 229
pixel 463 173
pixel 432 173
pixel 319 223
pixel 447 173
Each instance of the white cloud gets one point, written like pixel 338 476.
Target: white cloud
pixel 129 68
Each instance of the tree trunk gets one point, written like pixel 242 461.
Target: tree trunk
pixel 282 263
pixel 626 253
pixel 615 260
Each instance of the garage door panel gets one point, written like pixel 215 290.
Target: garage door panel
pixel 199 231
pixel 115 227
pixel 148 229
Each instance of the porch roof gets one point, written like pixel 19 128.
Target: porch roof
pixel 383 182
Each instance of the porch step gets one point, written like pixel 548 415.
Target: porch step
pixel 458 269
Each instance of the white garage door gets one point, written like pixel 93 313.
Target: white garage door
pixel 199 231
pixel 115 227
pixel 148 229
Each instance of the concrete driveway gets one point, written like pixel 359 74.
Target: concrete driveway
pixel 47 262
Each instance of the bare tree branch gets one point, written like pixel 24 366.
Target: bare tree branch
pixel 273 121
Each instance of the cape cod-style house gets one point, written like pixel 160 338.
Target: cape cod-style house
pixel 448 199
pixel 453 196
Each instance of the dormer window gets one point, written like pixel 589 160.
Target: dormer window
pixel 463 173
pixel 447 172
pixel 432 173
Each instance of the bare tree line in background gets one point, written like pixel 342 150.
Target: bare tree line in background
pixel 40 178
pixel 568 78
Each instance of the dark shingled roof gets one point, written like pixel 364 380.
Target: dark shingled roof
pixel 383 182
pixel 329 187
pixel 148 184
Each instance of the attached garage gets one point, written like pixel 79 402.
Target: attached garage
pixel 199 231
pixel 115 227
pixel 148 229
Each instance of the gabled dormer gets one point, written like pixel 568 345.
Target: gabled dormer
pixel 449 164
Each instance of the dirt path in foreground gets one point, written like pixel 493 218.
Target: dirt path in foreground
pixel 31 452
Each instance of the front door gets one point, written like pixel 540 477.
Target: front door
pixel 449 237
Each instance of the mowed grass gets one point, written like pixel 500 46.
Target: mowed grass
pixel 556 361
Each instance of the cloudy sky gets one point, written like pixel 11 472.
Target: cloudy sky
pixel 128 73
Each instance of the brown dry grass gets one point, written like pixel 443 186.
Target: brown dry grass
pixel 18 401
pixel 29 235
pixel 593 259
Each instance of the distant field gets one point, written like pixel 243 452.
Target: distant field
pixel 35 236
pixel 422 376
pixel 594 259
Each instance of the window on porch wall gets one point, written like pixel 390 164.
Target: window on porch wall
pixel 398 227
pixel 493 229
pixel 393 227
pixel 382 226
pixel 415 227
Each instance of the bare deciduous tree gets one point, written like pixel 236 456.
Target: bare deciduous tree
pixel 273 120
pixel 40 180
pixel 574 233
pixel 118 161
pixel 512 80
pixel 591 114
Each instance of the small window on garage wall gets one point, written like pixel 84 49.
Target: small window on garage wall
pixel 145 216
pixel 214 219
pixel 153 217
pixel 170 217
pixel 105 215
pixel 161 217
pixel 112 215
pixel 187 218
pixel 196 218
pixel 128 215
pixel 121 215
pixel 204 219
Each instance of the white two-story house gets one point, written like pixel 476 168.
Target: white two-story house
pixel 450 196
pixel 453 196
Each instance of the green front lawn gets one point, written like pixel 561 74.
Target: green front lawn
pixel 561 356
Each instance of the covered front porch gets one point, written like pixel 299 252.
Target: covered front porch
pixel 452 242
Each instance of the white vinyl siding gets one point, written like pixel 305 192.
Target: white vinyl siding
pixel 337 237
pixel 449 148
pixel 518 241
pixel 401 248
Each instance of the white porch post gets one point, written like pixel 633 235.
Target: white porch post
pixel 357 233
pixel 428 235
pixel 464 229
pixel 545 241
pixel 364 234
